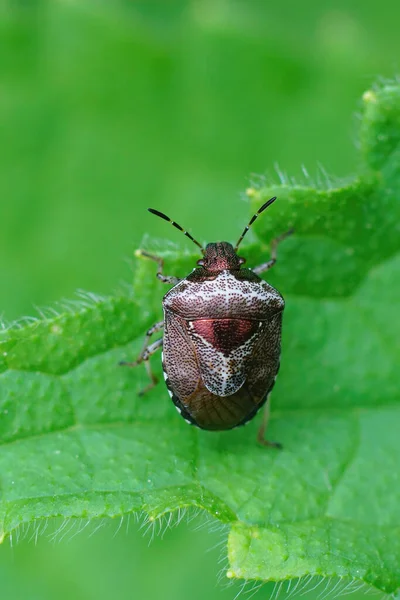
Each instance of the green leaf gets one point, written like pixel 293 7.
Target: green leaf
pixel 77 441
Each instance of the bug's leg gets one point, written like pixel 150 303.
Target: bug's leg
pixel 144 356
pixel 153 379
pixel 144 351
pixel 147 350
pixel 262 429
pixel 274 246
pixel 160 261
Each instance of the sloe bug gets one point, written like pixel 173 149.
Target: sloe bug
pixel 222 336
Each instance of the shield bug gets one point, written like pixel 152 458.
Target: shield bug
pixel 222 336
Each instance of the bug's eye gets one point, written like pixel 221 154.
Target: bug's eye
pixel 241 260
pixel 200 262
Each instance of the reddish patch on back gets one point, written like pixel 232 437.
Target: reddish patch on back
pixel 225 335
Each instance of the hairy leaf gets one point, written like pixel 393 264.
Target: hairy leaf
pixel 77 441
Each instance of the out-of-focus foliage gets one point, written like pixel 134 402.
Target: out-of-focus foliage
pixel 107 109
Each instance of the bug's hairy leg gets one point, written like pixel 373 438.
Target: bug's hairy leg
pixel 262 429
pixel 147 350
pixel 274 247
pixel 153 379
pixel 144 353
pixel 144 356
pixel 160 261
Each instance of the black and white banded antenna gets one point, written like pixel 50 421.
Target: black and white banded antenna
pixel 163 216
pixel 253 218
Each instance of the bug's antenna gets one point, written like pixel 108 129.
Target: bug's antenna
pixel 253 218
pixel 160 214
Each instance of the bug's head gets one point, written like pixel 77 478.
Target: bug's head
pixel 220 256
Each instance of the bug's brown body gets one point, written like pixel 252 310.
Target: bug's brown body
pixel 222 336
pixel 221 346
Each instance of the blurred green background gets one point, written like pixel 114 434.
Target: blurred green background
pixel 108 107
